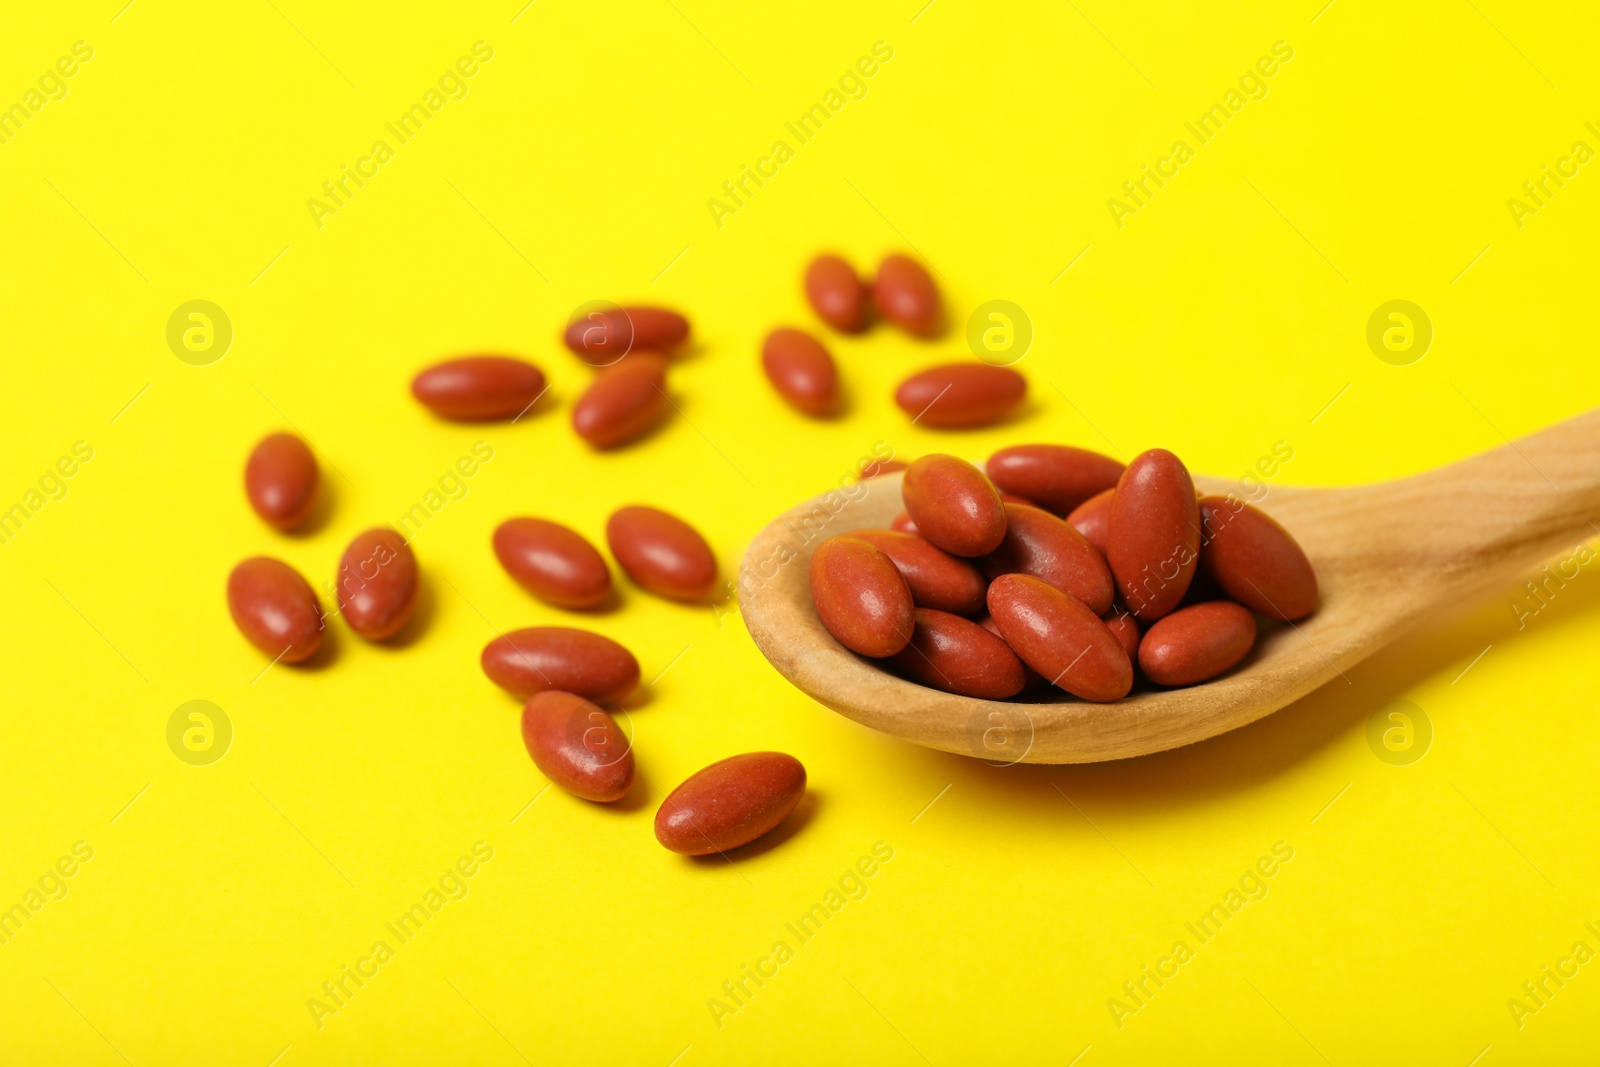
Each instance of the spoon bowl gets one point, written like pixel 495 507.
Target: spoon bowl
pixel 1388 557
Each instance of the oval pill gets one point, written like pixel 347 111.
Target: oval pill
pixel 902 523
pixel 479 388
pixel 377 587
pixel 861 597
pixel 602 337
pixel 525 662
pixel 905 295
pixel 1044 546
pixel 1255 560
pixel 837 294
pixel 730 803
pixel 1196 643
pixel 623 402
pixel 662 553
pixel 959 656
pixel 1126 630
pixel 275 609
pixel 578 746
pixel 555 564
pixel 958 395
pixel 954 505
pixel 1060 638
pixel 1056 477
pixel 1153 534
pixel 801 370
pixel 280 479
pixel 1091 518
pixel 937 579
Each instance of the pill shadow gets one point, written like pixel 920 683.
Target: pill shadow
pixel 332 643
pixel 797 820
pixel 322 510
pixel 423 611
pixel 641 794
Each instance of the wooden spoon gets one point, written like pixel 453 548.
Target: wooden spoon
pixel 1388 557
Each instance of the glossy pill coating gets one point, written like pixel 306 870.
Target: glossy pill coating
pixel 280 478
pixel 377 587
pixel 730 803
pixel 603 337
pixel 902 524
pixel 576 745
pixel 479 388
pixel 905 295
pixel 801 370
pixel 1031 677
pixel 662 553
pixel 623 402
pixel 525 662
pixel 837 294
pixel 554 563
pixel 1044 546
pixel 958 395
pixel 861 597
pixel 1126 630
pixel 1153 534
pixel 1056 477
pixel 1196 643
pixel 275 609
pixel 1091 518
pixel 954 505
pixel 959 656
pixel 937 579
pixel 1060 638
pixel 1256 561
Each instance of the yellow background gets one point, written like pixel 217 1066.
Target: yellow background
pixel 1223 317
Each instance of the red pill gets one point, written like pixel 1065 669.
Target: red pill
pixel 957 395
pixel 1031 677
pixel 861 597
pixel 1197 643
pixel 905 295
pixel 275 609
pixel 1153 534
pixel 1060 638
pixel 1056 477
pixel 959 656
pixel 1256 561
pixel 377 584
pixel 1126 630
pixel 623 402
pixel 954 506
pixel 555 564
pixel 1044 546
pixel 602 337
pixel 280 479
pixel 576 745
pixel 801 370
pixel 662 553
pixel 837 294
pixel 479 388
pixel 937 579
pixel 1091 518
pixel 902 524
pixel 525 662
pixel 730 803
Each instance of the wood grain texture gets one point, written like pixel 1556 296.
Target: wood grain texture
pixel 1388 557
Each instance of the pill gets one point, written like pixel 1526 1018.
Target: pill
pixel 730 803
pixel 957 655
pixel 1060 638
pixel 902 524
pixel 1055 477
pixel 525 662
pixel 871 468
pixel 1090 518
pixel 604 336
pixel 904 294
pixel 280 479
pixel 1254 560
pixel 937 579
pixel 377 587
pixel 837 294
pixel 801 370
pixel 861 597
pixel 275 609
pixel 954 505
pixel 1044 546
pixel 1126 630
pixel 956 395
pixel 554 563
pixel 479 388
pixel 623 402
pixel 576 745
pixel 1031 677
pixel 662 553
pixel 1153 534
pixel 1196 643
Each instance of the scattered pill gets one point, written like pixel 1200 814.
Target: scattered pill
pixel 525 662
pixel 623 402
pixel 479 388
pixel 1038 543
pixel 1057 478
pixel 959 656
pixel 954 505
pixel 801 370
pixel 905 295
pixel 602 337
pixel 1255 560
pixel 1153 534
pixel 377 587
pixel 837 294
pixel 662 553
pixel 1060 638
pixel 936 578
pixel 555 564
pixel 280 478
pixel 275 609
pixel 1196 643
pixel 730 803
pixel 861 597
pixel 577 745
pixel 957 395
